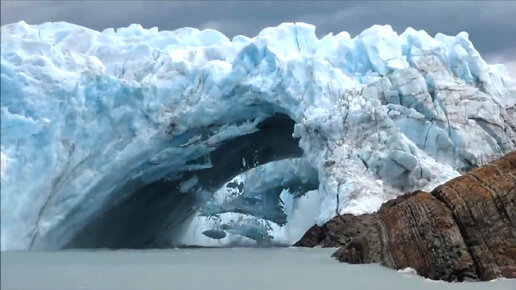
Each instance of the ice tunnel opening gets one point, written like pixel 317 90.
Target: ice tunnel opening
pixel 154 213
pixel 269 205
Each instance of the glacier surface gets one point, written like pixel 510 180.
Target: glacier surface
pixel 144 138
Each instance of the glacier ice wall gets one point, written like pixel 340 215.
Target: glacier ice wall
pixel 136 137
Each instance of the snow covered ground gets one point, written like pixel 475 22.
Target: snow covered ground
pixel 142 128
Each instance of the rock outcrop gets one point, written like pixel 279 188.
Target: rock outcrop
pixel 464 229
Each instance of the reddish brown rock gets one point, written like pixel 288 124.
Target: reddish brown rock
pixel 464 230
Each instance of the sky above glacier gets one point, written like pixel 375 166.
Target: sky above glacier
pixel 491 25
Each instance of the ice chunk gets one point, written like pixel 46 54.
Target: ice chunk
pixel 215 234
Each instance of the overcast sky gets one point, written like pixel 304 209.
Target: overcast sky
pixel 491 25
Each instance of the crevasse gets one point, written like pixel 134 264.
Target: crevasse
pixel 144 138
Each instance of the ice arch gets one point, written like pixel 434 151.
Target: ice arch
pixel 149 215
pixel 90 118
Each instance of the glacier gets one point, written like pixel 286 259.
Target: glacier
pixel 135 138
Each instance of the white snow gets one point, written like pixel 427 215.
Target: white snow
pixel 84 113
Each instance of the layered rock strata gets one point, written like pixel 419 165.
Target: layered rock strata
pixel 464 229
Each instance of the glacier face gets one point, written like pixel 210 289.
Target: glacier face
pixel 137 138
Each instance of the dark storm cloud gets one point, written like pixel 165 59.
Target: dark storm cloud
pixel 491 25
